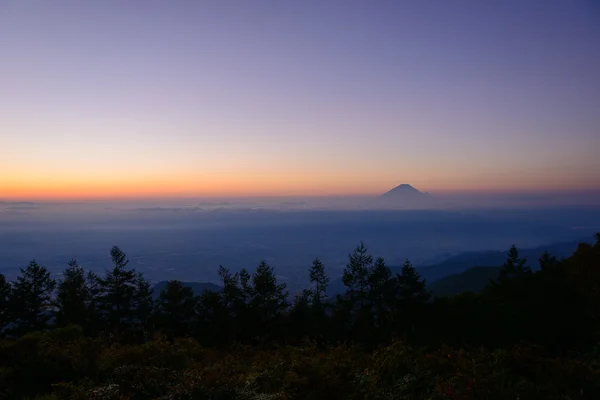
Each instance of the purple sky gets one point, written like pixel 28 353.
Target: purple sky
pixel 109 98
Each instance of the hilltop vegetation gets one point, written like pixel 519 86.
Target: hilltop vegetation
pixel 531 334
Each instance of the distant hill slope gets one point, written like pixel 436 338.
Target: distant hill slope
pixel 197 287
pixel 454 267
pixel 462 262
pixel 472 280
pixel 467 271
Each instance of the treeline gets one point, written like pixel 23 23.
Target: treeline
pixel 98 330
pixel 556 306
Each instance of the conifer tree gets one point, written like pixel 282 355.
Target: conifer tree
pixel 379 275
pixel 72 297
pixel 547 262
pixel 318 277
pixel 117 291
pixel 411 287
pixel 380 296
pixel 213 323
pixel 4 305
pixel 234 299
pixel 175 309
pixel 356 275
pixel 96 320
pixel 411 296
pixel 31 298
pixel 269 298
pixel 514 266
pixel 142 301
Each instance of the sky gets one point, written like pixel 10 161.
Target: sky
pixel 118 98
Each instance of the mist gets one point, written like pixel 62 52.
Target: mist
pixel 187 239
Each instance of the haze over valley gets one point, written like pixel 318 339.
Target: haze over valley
pixel 188 239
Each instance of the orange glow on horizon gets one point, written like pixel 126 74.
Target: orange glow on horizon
pixel 190 185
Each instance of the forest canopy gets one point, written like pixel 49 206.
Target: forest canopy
pixel 532 333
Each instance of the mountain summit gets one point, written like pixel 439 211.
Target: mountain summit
pixel 403 191
pixel 403 197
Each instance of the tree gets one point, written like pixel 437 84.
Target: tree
pixel 117 291
pixel 31 298
pixel 379 275
pixel 583 271
pixel 356 275
pixel 175 309
pixel 411 287
pixel 547 262
pixel 4 305
pixel 72 297
pixel 214 324
pixel 320 280
pixel 380 297
pixel 95 321
pixel 300 318
pixel 142 301
pixel 411 295
pixel 269 298
pixel 514 266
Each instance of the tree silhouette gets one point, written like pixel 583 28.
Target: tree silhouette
pixel 4 305
pixel 547 262
pixel 411 287
pixel 214 324
pixel 318 277
pixel 117 291
pixel 514 266
pixel 72 297
pixel 268 298
pixel 356 275
pixel 175 309
pixel 142 302
pixel 31 298
pixel 411 294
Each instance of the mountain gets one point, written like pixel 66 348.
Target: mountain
pixel 197 287
pixel 403 196
pixel 403 191
pixel 472 280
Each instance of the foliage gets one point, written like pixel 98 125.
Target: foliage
pixel 529 335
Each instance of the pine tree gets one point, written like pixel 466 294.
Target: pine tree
pixel 234 293
pixel 411 287
pixel 356 275
pixel 269 298
pixel 95 322
pixel 4 305
pixel 514 266
pixel 300 317
pixel 234 300
pixel 320 280
pixel 379 275
pixel 213 324
pixel 142 301
pixel 380 296
pixel 31 298
pixel 117 291
pixel 175 309
pixel 411 296
pixel 547 262
pixel 72 297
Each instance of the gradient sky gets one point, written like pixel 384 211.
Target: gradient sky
pixel 240 98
